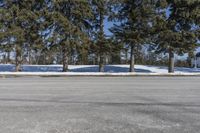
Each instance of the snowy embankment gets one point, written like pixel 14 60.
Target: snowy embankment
pixel 92 70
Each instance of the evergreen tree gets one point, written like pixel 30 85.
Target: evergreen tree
pixel 51 30
pixel 67 21
pixel 101 44
pixel 176 29
pixel 135 17
pixel 18 19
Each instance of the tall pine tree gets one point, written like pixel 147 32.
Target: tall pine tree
pixel 176 29
pixel 101 44
pixel 67 21
pixel 135 18
pixel 18 20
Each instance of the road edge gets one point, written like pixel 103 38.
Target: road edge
pixel 70 74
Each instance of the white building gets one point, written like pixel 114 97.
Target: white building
pixel 196 60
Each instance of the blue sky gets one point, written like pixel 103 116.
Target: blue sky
pixel 107 25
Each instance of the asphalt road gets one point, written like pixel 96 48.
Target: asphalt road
pixel 100 105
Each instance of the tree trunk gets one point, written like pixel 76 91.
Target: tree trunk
pixel 101 40
pixel 8 58
pixel 65 58
pixel 29 56
pixel 101 62
pixel 4 59
pixel 85 57
pixel 171 61
pixel 18 59
pixel 126 56
pixel 132 60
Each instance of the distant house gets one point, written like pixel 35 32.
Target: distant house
pixel 196 60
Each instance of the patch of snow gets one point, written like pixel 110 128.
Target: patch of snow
pixel 93 69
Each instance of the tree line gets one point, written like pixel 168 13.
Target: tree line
pixel 64 31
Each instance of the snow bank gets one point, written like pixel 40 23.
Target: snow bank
pixel 117 70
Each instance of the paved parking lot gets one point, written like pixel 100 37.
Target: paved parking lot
pixel 100 105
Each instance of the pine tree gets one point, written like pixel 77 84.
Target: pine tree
pixel 67 21
pixel 18 19
pixel 100 43
pixel 176 32
pixel 135 18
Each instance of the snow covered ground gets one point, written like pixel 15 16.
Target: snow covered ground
pixel 93 69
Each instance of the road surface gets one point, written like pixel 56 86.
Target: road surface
pixel 100 105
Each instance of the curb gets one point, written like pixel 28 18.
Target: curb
pixel 68 74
